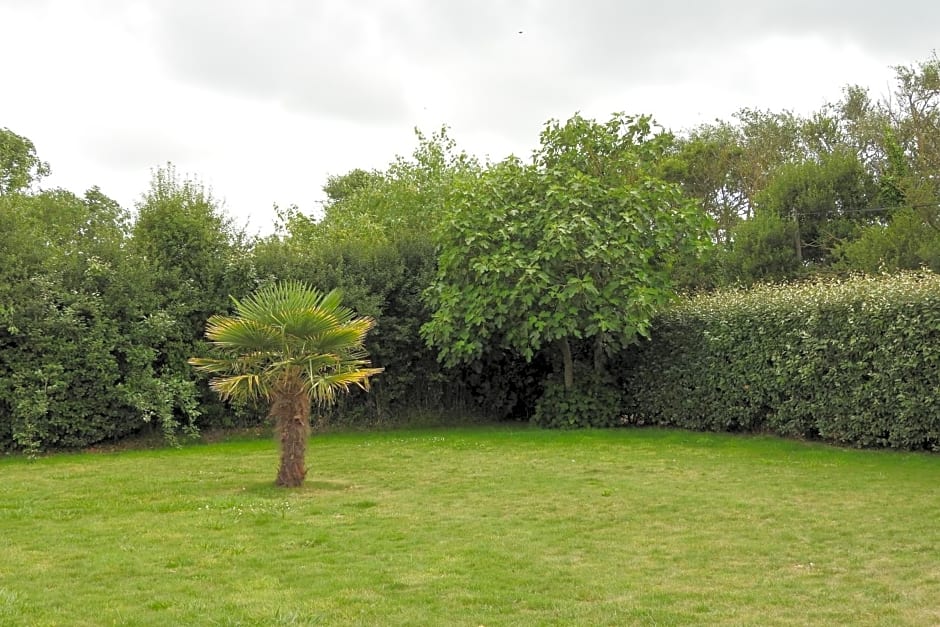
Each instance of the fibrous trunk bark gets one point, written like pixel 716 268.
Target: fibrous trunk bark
pixel 291 413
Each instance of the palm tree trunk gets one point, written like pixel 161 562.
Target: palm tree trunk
pixel 291 413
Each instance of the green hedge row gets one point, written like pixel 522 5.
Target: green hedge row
pixel 854 361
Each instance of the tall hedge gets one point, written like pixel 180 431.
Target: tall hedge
pixel 853 361
pixel 84 336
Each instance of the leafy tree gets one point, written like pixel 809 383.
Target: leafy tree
pixel 578 244
pixel 894 174
pixel 906 242
pixel 288 344
pixel 915 112
pixel 19 165
pixel 864 124
pixel 707 164
pixel 825 198
pixel 375 242
pixel 763 250
pixel 767 139
pixel 342 186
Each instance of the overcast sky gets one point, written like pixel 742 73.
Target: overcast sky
pixel 263 99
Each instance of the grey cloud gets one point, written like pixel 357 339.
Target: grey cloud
pixel 359 61
pixel 312 57
pixel 666 37
pixel 904 28
pixel 583 49
pixel 131 149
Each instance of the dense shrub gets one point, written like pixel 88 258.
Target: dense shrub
pixel 594 401
pixel 854 362
pixel 85 346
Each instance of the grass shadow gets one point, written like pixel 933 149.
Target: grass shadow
pixel 267 489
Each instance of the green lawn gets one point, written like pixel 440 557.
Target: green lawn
pixel 475 526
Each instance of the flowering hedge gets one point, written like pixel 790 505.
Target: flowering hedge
pixel 854 361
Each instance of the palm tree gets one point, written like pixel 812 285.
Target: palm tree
pixel 290 345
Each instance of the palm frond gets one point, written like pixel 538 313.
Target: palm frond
pixel 309 362
pixel 305 324
pixel 238 364
pixel 267 302
pixel 332 302
pixel 241 387
pixel 236 333
pixel 337 339
pixel 324 386
pixel 286 335
pixel 210 365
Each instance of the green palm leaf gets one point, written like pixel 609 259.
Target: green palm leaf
pixel 240 334
pixel 323 387
pixel 288 336
pixel 241 387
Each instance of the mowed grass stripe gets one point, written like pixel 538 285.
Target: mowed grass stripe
pixel 475 526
